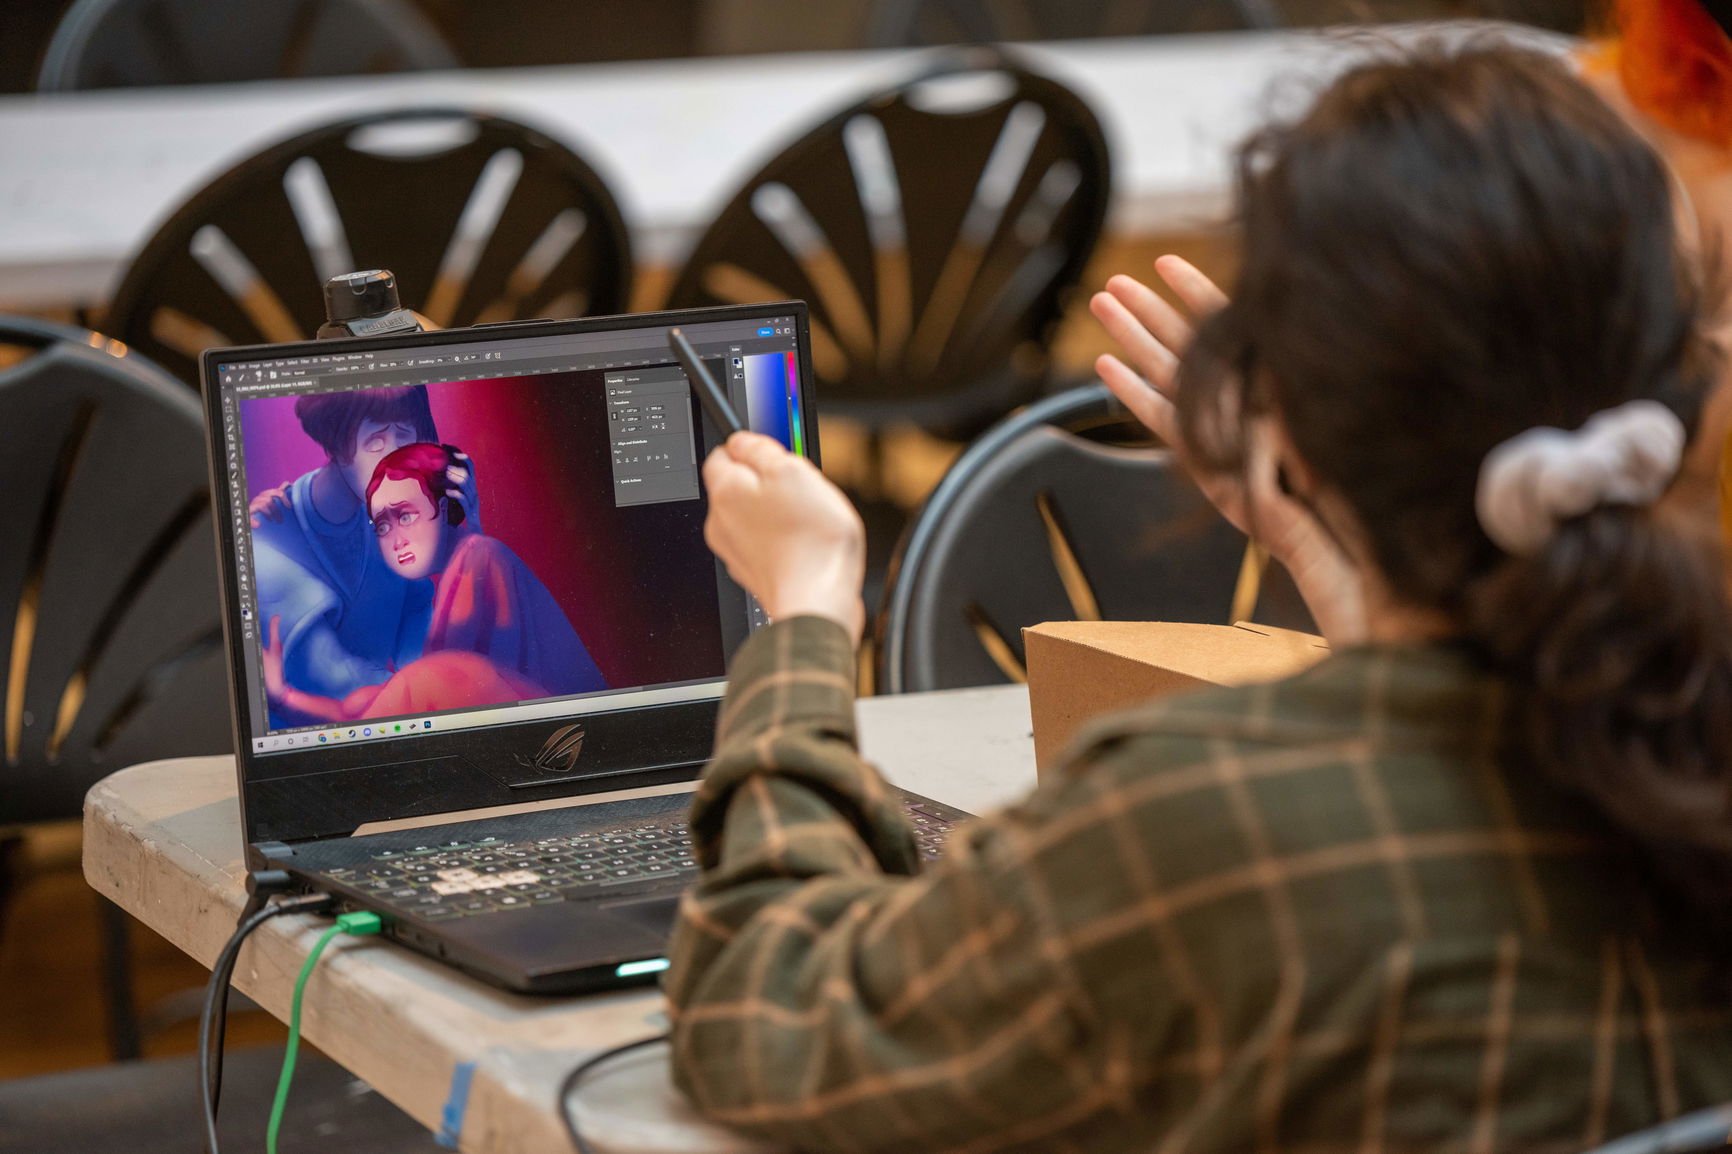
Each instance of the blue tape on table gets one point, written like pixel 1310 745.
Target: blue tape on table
pixel 457 1101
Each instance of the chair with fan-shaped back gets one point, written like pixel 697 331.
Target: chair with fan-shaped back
pixel 482 219
pixel 138 43
pixel 109 607
pixel 936 229
pixel 1037 522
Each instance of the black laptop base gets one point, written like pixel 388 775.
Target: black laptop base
pixel 556 901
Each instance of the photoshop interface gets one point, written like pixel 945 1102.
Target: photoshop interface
pixel 655 451
pixel 646 443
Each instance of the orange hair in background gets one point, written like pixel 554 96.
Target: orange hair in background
pixel 1675 65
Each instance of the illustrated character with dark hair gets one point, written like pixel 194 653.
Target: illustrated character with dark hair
pixel 494 632
pixel 345 621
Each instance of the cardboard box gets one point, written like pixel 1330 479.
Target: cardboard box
pixel 1081 670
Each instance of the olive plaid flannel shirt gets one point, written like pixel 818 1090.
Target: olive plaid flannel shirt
pixel 1311 917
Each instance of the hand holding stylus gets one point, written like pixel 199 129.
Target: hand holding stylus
pixel 785 532
pixel 710 394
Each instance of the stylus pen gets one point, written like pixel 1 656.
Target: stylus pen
pixel 710 395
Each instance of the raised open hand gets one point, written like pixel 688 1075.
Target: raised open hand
pixel 1154 336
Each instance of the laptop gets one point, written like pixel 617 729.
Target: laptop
pixel 465 571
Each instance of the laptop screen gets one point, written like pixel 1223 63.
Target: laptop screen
pixel 462 531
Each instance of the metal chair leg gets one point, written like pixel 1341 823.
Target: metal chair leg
pixel 123 1034
pixel 11 851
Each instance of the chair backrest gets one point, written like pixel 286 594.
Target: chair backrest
pixel 936 229
pixel 916 23
pixel 1036 523
pixel 481 218
pixel 140 43
pixel 109 610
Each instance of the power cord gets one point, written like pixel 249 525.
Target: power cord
pixel 213 1016
pixel 569 1083
pixel 360 922
pixel 262 885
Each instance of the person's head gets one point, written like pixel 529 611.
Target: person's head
pixel 358 428
pixel 412 503
pixel 1446 251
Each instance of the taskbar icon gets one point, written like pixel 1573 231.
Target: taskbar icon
pixel 354 733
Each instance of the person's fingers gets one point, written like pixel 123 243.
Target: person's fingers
pixel 1200 294
pixel 257 524
pixel 719 469
pixel 713 533
pixel 1290 528
pixel 1151 356
pixel 1151 310
pixel 757 451
pixel 276 632
pixel 1155 411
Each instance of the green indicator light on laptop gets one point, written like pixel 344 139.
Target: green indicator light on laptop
pixel 634 969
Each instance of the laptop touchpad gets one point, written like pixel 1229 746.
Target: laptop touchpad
pixel 653 914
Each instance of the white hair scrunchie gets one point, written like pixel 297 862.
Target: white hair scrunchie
pixel 1536 480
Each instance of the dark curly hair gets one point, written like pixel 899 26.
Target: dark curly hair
pixel 1448 249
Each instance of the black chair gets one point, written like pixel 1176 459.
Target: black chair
pixel 109 607
pixel 915 23
pixel 152 1107
pixel 937 230
pixel 141 43
pixel 1038 522
pixel 481 218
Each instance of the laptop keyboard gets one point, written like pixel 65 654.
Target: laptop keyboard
pixel 492 874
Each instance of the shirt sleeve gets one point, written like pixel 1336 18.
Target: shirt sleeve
pixel 826 994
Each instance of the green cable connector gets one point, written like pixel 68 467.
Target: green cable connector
pixel 360 922
pixel 355 924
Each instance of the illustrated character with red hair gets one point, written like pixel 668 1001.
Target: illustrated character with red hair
pixel 495 633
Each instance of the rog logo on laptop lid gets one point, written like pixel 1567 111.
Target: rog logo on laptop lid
pixel 559 753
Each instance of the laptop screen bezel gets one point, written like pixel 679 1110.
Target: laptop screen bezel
pixel 623 749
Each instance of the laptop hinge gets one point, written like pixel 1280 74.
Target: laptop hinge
pixel 274 850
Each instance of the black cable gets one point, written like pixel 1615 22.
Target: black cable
pixel 571 1080
pixel 262 885
pixel 213 1016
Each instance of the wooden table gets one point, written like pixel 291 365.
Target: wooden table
pixel 86 178
pixel 163 840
